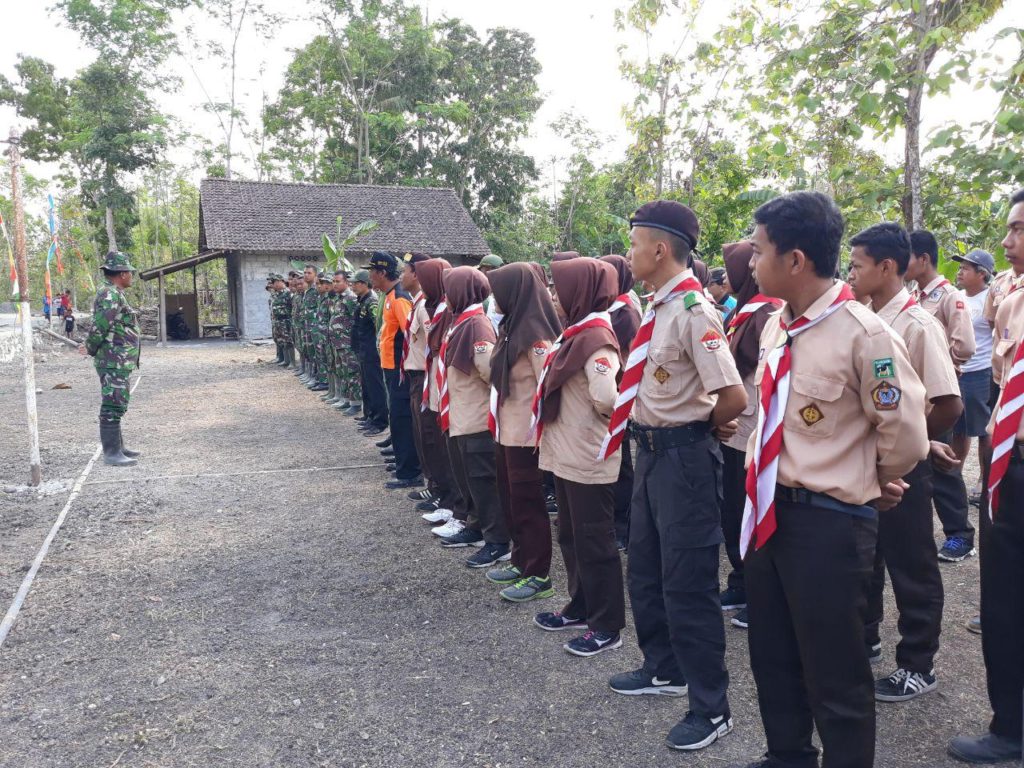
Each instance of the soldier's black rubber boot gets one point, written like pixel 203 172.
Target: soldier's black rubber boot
pixel 126 451
pixel 285 361
pixel 110 439
pixel 280 356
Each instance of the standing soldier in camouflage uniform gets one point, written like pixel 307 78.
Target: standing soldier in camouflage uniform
pixel 346 366
pixel 281 314
pixel 309 298
pixel 318 330
pixel 295 284
pixel 115 346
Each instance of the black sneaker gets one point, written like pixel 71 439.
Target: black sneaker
pixel 552 504
pixel 591 643
pixel 974 625
pixel 875 653
pixel 423 495
pixel 490 554
pixel 429 506
pixel 385 443
pixel 734 599
pixel 740 619
pixel 464 538
pixel 639 683
pixel 985 749
pixel 696 731
pixel 956 549
pixel 553 622
pixel 903 685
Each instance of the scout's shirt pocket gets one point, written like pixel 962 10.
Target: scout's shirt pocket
pixel 814 407
pixel 661 374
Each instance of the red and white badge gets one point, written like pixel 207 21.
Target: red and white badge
pixel 961 305
pixel 602 365
pixel 480 347
pixel 540 349
pixel 711 341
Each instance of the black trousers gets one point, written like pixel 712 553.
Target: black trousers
pixel 462 509
pixel 375 398
pixel 476 452
pixel 1002 605
pixel 675 533
pixel 415 380
pixel 806 594
pixel 437 462
pixel 950 496
pixel 906 547
pixel 624 491
pixel 734 498
pixel 521 492
pixel 407 463
pixel 586 536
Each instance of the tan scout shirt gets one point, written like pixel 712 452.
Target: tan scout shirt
pixel 855 417
pixel 434 395
pixel 569 444
pixel 470 396
pixel 688 358
pixel 948 305
pixel 999 289
pixel 1009 330
pixel 417 359
pixel 746 422
pixel 515 412
pixel 926 345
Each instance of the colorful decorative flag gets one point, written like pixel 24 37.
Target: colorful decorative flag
pixel 54 245
pixel 15 293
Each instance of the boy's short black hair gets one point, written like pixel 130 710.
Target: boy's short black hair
pixel 887 240
pixel 1017 197
pixel 921 242
pixel 808 221
pixel 681 250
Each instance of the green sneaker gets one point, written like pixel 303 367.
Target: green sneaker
pixel 530 588
pixel 509 574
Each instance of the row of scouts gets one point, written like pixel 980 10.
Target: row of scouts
pixel 809 432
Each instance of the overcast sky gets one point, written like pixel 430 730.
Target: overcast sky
pixel 576 44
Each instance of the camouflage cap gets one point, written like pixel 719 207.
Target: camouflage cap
pixel 277 276
pixel 115 261
pixel 323 277
pixel 362 276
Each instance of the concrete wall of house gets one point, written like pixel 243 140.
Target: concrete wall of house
pixel 254 306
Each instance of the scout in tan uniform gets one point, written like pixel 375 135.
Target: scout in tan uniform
pixel 578 391
pixel 1002 543
pixel 949 306
pixel 1007 282
pixel 686 388
pixel 414 358
pixel 906 544
pixel 852 425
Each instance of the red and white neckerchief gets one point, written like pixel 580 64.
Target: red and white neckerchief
pixel 425 400
pixel 619 303
pixel 744 313
pixel 593 320
pixel 762 474
pixel 684 283
pixel 416 301
pixel 1004 433
pixel 442 370
pixel 492 415
pixel 911 302
pixel 920 294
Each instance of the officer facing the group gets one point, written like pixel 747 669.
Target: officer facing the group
pixel 114 345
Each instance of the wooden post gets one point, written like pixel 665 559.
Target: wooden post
pixel 163 308
pixel 21 266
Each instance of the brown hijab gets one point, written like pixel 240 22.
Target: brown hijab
pixel 431 277
pixel 529 316
pixel 745 343
pixel 701 272
pixel 625 321
pixel 465 286
pixel 564 256
pixel 583 286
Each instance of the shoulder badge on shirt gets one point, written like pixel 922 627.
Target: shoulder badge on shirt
pixel 811 414
pixel 540 349
pixel 961 305
pixel 935 295
pixel 711 341
pixel 661 375
pixel 691 300
pixel 602 365
pixel 480 347
pixel 886 397
pixel 884 368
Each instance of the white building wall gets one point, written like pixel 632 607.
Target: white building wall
pixel 254 314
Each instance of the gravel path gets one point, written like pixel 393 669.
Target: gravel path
pixel 306 618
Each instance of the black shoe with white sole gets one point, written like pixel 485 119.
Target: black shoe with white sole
pixel 467 537
pixel 904 685
pixel 875 653
pixel 696 731
pixel 422 495
pixel 741 619
pixel 640 683
pixel 554 622
pixel 734 599
pixel 489 554
pixel 591 643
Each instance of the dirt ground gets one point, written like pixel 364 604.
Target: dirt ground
pixel 209 607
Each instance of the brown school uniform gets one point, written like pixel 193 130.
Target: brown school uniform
pixel 469 396
pixel 1001 287
pixel 515 412
pixel 949 306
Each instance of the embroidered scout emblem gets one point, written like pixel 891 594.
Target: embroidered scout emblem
pixel 811 415
pixel 935 295
pixel 540 350
pixel 886 397
pixel 690 300
pixel 884 368
pixel 661 375
pixel 961 305
pixel 480 347
pixel 602 365
pixel 712 341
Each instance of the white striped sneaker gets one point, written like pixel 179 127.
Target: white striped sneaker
pixel 904 685
pixel 440 515
pixel 450 528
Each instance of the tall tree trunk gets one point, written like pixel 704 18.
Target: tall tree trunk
pixel 913 213
pixel 111 234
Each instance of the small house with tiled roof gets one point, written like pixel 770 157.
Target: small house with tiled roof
pixel 260 227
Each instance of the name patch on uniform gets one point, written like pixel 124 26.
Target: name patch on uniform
pixel 811 414
pixel 661 375
pixel 480 347
pixel 711 341
pixel 886 397
pixel 884 368
pixel 602 365
pixel 540 350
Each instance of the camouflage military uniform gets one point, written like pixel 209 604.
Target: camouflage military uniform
pixel 281 312
pixel 114 345
pixel 295 302
pixel 346 364
pixel 309 304
pixel 323 348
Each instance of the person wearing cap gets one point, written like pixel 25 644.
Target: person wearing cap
pixel 318 333
pixel 115 346
pixel 364 345
pixel 346 364
pixel 687 392
pixel 296 286
pixel 719 291
pixel 308 306
pixel 385 273
pixel 281 316
pixel 491 309
pixel 949 306
pixel 330 308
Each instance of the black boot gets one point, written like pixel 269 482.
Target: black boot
pixel 284 355
pixel 126 451
pixel 110 438
pixel 278 357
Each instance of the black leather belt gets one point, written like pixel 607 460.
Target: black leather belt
pixel 657 439
pixel 823 500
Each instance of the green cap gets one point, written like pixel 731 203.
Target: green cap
pixel 490 260
pixel 362 276
pixel 323 277
pixel 115 261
